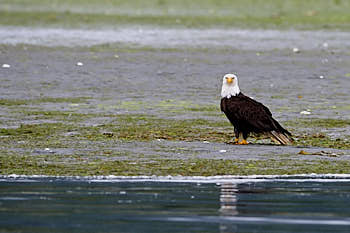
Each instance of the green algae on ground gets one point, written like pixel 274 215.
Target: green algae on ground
pixel 204 108
pixel 34 165
pixel 11 102
pixel 321 140
pixel 139 127
pixel 32 136
pixel 305 137
pixel 124 127
pixel 14 102
pixel 318 123
pixel 197 13
pixel 132 127
pixel 35 130
pixel 128 127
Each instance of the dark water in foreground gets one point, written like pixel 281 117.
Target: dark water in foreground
pixel 68 205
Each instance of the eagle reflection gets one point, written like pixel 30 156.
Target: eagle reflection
pixel 228 206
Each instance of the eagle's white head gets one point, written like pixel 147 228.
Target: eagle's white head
pixel 229 86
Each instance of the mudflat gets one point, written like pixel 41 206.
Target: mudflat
pixel 144 99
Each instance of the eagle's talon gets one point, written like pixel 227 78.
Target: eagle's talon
pixel 243 142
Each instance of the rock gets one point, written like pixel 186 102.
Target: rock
pixel 305 112
pixel 296 50
pixel 108 134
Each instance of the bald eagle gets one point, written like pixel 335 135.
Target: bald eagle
pixel 249 116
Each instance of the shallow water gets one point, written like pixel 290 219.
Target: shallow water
pixel 206 205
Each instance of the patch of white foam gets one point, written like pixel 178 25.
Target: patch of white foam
pixel 259 220
pixel 13 199
pixel 179 37
pixel 186 179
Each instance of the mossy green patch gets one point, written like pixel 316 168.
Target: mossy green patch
pixel 204 108
pixel 61 100
pixel 277 97
pixel 318 123
pixel 125 127
pixel 14 102
pixel 197 13
pixel 138 127
pixel 35 130
pixel 321 140
pixel 130 127
pixel 32 136
pixel 44 165
pixel 54 114
pixel 308 132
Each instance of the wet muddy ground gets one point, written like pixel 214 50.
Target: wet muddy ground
pixel 97 105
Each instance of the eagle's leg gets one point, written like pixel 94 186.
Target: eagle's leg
pixel 244 141
pixel 236 136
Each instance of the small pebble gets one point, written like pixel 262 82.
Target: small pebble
pixel 296 50
pixel 222 151
pixel 6 66
pixel 108 134
pixel 205 142
pixel 49 150
pixel 305 112
pixel 80 64
pixel 321 77
pixel 325 45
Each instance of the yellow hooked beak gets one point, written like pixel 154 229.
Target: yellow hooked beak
pixel 229 80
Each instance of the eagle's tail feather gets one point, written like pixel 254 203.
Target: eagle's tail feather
pixel 280 138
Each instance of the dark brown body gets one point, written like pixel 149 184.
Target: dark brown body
pixel 248 115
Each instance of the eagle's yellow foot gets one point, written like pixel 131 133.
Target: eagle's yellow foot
pixel 243 142
pixel 236 140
